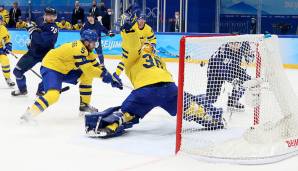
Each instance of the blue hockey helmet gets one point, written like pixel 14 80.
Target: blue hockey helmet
pixel 50 11
pixel 89 35
pixel 142 16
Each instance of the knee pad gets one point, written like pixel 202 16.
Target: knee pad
pixel 18 73
pixel 85 80
pixel 4 60
pixel 52 96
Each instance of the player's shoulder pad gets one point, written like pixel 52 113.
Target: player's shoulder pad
pixel 3 28
pixel 80 48
pixel 49 27
pixel 92 56
pixel 147 27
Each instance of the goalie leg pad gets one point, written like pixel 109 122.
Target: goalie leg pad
pixel 206 114
pixel 144 99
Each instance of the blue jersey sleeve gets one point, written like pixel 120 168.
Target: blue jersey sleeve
pixel 103 29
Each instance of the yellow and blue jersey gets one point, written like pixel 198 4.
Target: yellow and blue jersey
pixel 5 15
pixel 141 68
pixel 77 27
pixel 66 26
pixel 21 25
pixel 146 34
pixel 4 36
pixel 72 56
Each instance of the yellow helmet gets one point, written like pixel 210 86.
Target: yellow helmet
pixel 148 48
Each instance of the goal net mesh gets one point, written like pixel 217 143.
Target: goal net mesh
pixel 237 102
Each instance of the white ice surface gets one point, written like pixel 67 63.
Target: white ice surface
pixel 58 141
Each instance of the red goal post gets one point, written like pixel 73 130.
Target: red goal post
pixel 181 84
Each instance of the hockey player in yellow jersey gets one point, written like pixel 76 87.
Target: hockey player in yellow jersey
pixel 70 63
pixel 5 15
pixel 153 87
pixel 144 31
pixel 5 48
pixel 152 82
pixel 63 24
pixel 78 26
pixel 21 24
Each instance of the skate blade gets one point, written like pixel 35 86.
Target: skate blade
pixel 30 122
pixel 98 134
pixel 92 134
pixel 20 95
pixel 235 110
pixel 102 133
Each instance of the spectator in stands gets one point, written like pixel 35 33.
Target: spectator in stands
pixel 21 24
pixel 77 14
pixel 5 15
pixel 14 15
pixel 171 25
pixel 253 26
pixel 102 12
pixel 63 24
pixel 177 21
pixel 98 12
pixel 94 10
pixel 78 26
pixel 106 20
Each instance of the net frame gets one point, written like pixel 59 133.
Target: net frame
pixel 256 116
pixel 181 85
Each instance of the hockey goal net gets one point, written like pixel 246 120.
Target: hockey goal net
pixel 235 102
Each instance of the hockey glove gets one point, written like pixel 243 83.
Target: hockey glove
pixel 31 28
pixel 114 80
pixel 2 51
pixel 8 48
pixel 111 33
pixel 117 81
pixel 106 76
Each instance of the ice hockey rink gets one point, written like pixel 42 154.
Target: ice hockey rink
pixel 58 141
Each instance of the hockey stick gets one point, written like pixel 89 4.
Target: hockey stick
pixel 167 53
pixel 127 87
pixel 35 73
